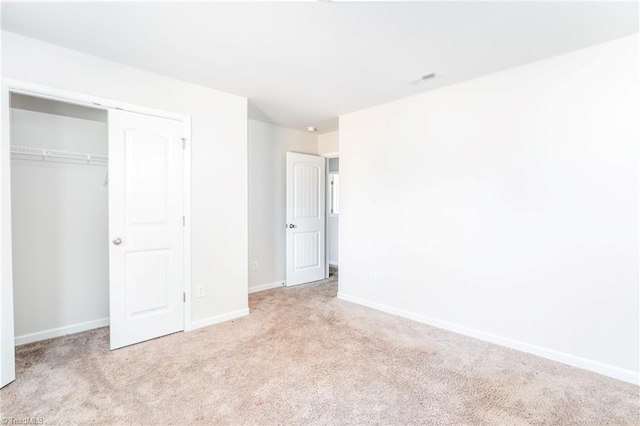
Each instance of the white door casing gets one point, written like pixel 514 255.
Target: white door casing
pixel 7 346
pixel 305 226
pixel 146 227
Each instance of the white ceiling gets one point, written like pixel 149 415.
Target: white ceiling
pixel 304 64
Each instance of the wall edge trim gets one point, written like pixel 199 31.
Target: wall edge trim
pixel 61 331
pixel 551 354
pixel 218 319
pixel 263 287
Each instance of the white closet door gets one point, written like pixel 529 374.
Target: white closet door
pixel 145 226
pixel 305 218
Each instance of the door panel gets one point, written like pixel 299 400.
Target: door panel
pixel 146 171
pixel 306 186
pixel 145 224
pixel 146 277
pixel 305 225
pixel 305 250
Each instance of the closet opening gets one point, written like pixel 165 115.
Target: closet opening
pixel 96 219
pixel 60 217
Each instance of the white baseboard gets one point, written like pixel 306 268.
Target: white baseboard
pixel 217 319
pixel 62 331
pixel 333 263
pixel 264 287
pixel 574 361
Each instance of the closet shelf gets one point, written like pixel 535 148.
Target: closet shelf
pixel 42 154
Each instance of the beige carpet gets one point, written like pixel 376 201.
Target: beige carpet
pixel 304 357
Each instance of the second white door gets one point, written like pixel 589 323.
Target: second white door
pixel 146 190
pixel 305 217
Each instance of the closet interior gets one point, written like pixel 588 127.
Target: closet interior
pixel 59 207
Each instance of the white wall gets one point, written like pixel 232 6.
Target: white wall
pixel 328 143
pixel 505 207
pixel 333 239
pixel 219 156
pixel 268 145
pixel 59 225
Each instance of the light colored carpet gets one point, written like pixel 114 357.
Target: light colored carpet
pixel 304 357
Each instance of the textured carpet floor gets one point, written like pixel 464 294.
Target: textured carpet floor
pixel 304 357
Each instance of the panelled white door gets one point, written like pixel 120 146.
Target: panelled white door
pixel 305 218
pixel 145 226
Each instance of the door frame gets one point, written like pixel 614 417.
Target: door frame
pixel 9 86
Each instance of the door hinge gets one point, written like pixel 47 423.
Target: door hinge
pixel 184 143
pixel 184 297
pixel 184 221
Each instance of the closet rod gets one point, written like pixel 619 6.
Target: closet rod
pixel 42 154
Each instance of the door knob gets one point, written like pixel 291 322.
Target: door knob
pixel 117 241
pixel 291 225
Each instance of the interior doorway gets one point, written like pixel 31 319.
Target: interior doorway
pixel 312 212
pixel 305 215
pixel 333 214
